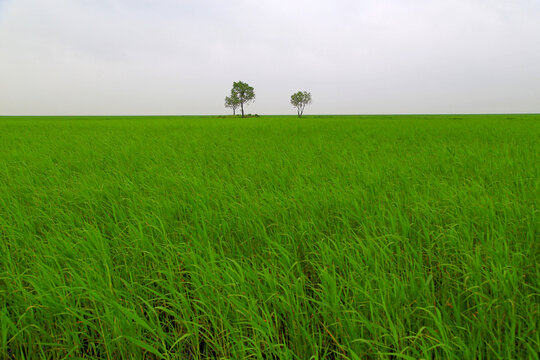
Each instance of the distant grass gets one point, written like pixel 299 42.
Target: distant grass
pixel 347 237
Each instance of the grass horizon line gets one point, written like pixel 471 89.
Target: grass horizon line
pixel 269 115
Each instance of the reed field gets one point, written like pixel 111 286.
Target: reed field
pixel 326 237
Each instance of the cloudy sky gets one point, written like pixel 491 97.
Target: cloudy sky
pixel 354 56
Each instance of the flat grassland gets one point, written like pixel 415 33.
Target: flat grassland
pixel 353 237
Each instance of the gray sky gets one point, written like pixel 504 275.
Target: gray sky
pixel 181 56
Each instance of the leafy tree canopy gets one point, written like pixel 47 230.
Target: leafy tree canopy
pixel 232 102
pixel 300 100
pixel 244 93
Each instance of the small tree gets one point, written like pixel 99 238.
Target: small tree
pixel 244 93
pixel 232 102
pixel 300 100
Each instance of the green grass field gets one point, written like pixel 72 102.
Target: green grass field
pixel 346 237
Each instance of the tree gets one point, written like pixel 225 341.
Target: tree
pixel 300 100
pixel 244 93
pixel 232 102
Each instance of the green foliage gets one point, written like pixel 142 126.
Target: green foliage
pixel 232 102
pixel 299 100
pixel 340 237
pixel 244 93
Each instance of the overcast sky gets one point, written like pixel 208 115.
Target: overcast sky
pixel 181 56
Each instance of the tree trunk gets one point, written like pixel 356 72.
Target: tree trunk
pixel 234 111
pixel 242 106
